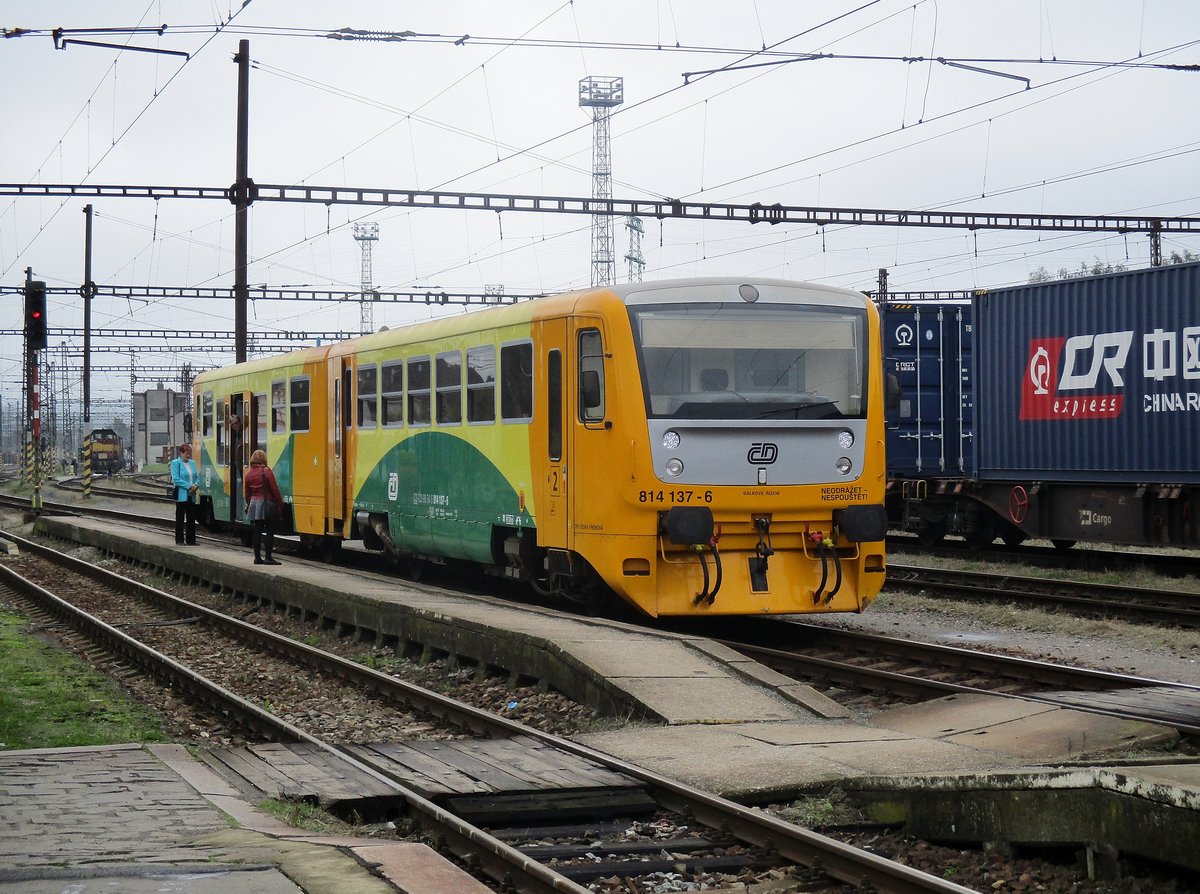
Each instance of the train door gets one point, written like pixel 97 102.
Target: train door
pixel 551 436
pixel 592 494
pixel 237 431
pixel 258 422
pixel 341 391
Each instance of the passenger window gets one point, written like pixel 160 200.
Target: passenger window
pixel 591 376
pixel 449 388
pixel 393 393
pixel 418 391
pixel 206 414
pixel 481 384
pixel 368 396
pixel 260 421
pixel 516 382
pixel 278 407
pixel 299 404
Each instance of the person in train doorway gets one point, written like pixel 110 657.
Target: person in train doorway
pixel 235 462
pixel 264 504
pixel 186 478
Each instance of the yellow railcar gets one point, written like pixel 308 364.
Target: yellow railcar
pixel 710 446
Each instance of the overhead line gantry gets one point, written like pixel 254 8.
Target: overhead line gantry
pixel 753 212
pixel 287 293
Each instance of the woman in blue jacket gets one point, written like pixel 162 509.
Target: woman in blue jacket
pixel 186 478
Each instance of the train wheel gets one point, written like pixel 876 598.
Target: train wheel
pixel 1062 544
pixel 982 536
pixel 328 549
pixel 1013 538
pixel 932 534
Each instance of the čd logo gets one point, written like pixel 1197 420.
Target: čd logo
pixel 763 453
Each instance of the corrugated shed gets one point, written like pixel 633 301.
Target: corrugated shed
pixel 1093 379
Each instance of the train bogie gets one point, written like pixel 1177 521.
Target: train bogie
pixel 708 446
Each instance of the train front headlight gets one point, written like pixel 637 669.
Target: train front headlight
pixel 843 465
pixel 674 467
pixel 845 439
pixel 670 439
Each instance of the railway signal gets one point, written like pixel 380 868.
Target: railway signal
pixel 35 314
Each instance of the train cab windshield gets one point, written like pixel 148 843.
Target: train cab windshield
pixel 767 362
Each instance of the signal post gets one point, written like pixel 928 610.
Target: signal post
pixel 35 341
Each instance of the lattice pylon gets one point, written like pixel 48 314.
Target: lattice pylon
pixel 601 95
pixel 366 235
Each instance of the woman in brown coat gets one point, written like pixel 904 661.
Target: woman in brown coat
pixel 262 498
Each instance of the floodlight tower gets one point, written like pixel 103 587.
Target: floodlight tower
pixel 366 235
pixel 637 263
pixel 601 95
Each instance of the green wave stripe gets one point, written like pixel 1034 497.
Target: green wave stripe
pixel 448 496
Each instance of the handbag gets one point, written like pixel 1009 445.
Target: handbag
pixel 172 492
pixel 273 511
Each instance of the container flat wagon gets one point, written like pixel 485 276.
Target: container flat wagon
pixel 1067 411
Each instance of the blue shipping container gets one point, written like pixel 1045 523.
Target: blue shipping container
pixel 1091 379
pixel 929 348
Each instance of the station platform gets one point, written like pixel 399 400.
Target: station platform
pixel 712 718
pixel 143 820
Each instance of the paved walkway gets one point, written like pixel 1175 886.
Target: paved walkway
pixel 151 820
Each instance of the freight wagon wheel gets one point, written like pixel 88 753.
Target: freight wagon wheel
pixel 1013 537
pixel 1062 544
pixel 932 534
pixel 982 535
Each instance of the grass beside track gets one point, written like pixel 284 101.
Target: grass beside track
pixel 50 699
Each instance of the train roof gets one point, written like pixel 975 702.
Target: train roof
pixel 526 311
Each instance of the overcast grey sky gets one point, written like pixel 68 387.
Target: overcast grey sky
pixel 499 112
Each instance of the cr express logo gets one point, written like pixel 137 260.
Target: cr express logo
pixel 762 454
pixel 1081 377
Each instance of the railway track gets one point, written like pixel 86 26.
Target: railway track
pixel 153 488
pixel 907 669
pixel 881 665
pixel 1077 558
pixel 1161 606
pixel 645 814
pixel 1134 604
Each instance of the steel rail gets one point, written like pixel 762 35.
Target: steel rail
pixel 499 860
pixel 1136 603
pixel 841 861
pixel 933 656
pixel 1077 557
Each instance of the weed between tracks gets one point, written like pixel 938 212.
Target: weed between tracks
pixel 50 699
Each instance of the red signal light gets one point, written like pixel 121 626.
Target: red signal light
pixel 35 315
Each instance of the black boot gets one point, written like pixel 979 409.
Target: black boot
pixel 270 543
pixel 258 560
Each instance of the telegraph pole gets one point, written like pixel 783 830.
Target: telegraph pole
pixel 241 199
pixel 88 289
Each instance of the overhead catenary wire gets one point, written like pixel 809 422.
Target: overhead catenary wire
pixel 129 127
pixel 480 253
